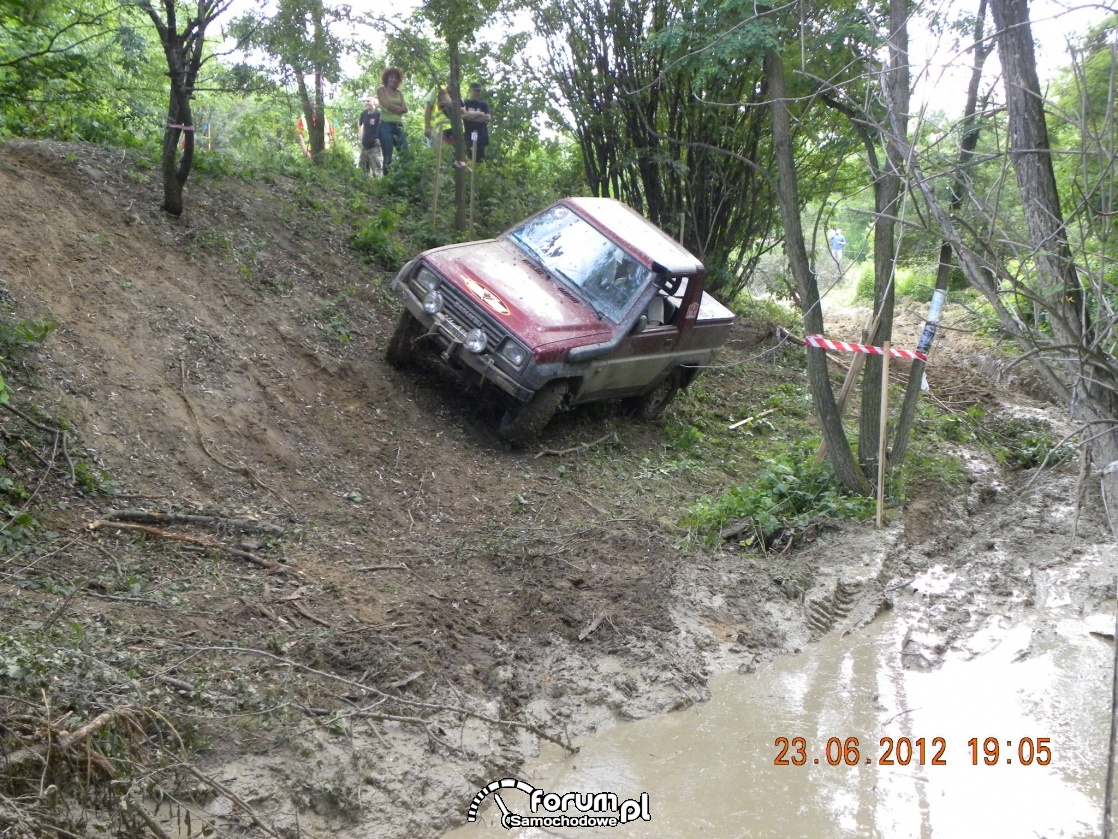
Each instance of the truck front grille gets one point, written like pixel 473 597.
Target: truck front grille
pixel 466 312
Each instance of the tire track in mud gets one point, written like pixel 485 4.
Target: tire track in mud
pixel 1001 554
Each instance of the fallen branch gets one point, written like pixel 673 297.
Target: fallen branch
pixel 190 540
pixel 382 568
pixel 428 706
pixel 58 433
pixel 309 616
pixel 740 423
pixel 238 525
pixel 63 743
pixel 232 796
pixel 580 447
pixel 594 624
pixel 136 806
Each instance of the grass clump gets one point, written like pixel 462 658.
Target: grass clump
pixel 789 497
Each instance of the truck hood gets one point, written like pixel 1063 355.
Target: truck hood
pixel 516 291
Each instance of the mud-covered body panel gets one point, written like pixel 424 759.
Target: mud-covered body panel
pixel 540 325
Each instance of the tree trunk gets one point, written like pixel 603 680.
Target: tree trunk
pixel 454 85
pixel 318 125
pixel 1032 163
pixel 967 145
pixel 838 447
pixel 183 51
pixel 1091 379
pixel 887 199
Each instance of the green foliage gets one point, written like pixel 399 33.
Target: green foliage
pixel 1016 442
pixel 763 311
pixel 916 282
pixel 1026 444
pixel 683 436
pixel 648 108
pixel 17 526
pixel 333 318
pixel 790 400
pixel 376 240
pixel 89 479
pixel 790 494
pixel 83 71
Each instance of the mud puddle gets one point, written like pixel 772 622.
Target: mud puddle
pixel 1004 739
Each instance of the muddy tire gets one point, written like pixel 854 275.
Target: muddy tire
pixel 401 346
pixel 524 421
pixel 650 405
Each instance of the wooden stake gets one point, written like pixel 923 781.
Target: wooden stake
pixel 438 177
pixel 882 433
pixel 473 170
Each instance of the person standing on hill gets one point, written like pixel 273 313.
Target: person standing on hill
pixel 476 116
pixel 838 243
pixel 368 132
pixel 436 116
pixel 392 109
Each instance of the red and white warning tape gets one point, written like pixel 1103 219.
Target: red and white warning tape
pixel 821 343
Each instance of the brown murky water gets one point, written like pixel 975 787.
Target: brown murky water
pixel 712 771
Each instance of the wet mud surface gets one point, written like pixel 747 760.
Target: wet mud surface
pixel 200 363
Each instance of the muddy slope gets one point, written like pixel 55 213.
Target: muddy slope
pixel 230 363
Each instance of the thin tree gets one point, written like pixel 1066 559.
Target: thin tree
pixel 183 49
pixel 826 408
pixel 457 24
pixel 968 142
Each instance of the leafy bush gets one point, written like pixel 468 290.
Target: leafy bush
pixel 21 334
pixel 763 310
pixel 914 282
pixel 1016 443
pixel 375 239
pixel 791 495
pixel 1026 444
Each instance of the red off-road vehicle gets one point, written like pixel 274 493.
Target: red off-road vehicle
pixel 586 300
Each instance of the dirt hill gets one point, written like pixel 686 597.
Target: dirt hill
pixel 418 603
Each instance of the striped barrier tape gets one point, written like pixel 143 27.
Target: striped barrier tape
pixel 821 343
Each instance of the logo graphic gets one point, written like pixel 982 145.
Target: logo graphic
pixel 594 809
pixel 487 297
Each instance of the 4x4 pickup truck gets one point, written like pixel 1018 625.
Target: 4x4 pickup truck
pixel 586 300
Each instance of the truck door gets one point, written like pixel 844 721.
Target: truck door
pixel 643 358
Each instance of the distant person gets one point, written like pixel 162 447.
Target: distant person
pixel 436 116
pixel 368 132
pixel 301 134
pixel 838 242
pixel 392 110
pixel 476 117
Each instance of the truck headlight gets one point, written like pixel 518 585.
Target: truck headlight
pixel 474 341
pixel 513 353
pixel 432 302
pixel 426 279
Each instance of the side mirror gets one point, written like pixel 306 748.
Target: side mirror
pixel 669 284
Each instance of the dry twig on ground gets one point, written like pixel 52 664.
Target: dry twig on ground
pixel 216 522
pixel 248 556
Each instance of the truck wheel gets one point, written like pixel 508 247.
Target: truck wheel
pixel 650 405
pixel 524 421
pixel 401 346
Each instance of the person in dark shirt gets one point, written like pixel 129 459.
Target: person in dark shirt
pixel 368 132
pixel 476 119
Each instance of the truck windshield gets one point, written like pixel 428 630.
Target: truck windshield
pixel 572 249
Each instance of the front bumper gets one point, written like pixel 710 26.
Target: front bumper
pixel 449 335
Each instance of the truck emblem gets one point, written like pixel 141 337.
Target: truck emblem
pixel 487 297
